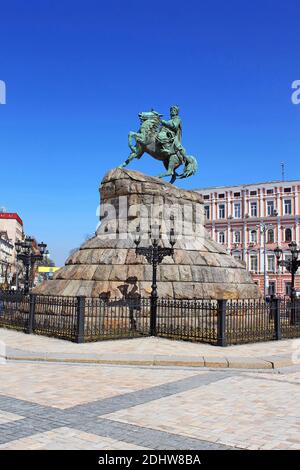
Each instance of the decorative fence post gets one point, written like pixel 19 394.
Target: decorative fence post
pixel 221 325
pixel 275 310
pixel 80 310
pixel 153 315
pixel 30 325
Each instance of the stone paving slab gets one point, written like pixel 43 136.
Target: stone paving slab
pixel 250 412
pixel 152 351
pixel 253 363
pixel 146 345
pixel 50 385
pixel 81 426
pixel 91 406
pixel 66 437
pixel 6 417
pixel 279 361
pixel 240 362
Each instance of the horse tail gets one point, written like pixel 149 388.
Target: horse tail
pixel 190 168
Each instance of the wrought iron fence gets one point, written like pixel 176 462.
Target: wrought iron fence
pixel 116 318
pixel 289 318
pixel 54 316
pixel 249 321
pixel 190 320
pixel 217 322
pixel 14 310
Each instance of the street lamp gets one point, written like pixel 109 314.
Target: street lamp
pixel 154 254
pixel 26 254
pixel 291 265
pixel 263 230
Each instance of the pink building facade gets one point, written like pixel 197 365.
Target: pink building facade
pixel 12 225
pixel 237 216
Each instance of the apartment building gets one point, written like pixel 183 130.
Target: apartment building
pixel 12 224
pixel 6 257
pixel 236 216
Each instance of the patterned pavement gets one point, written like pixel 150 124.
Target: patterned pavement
pixel 86 406
pixel 156 351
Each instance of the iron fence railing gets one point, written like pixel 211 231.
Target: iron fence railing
pixel 14 310
pixel 190 320
pixel 217 322
pixel 54 316
pixel 249 321
pixel 289 318
pixel 116 318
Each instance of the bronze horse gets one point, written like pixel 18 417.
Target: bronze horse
pixel 158 142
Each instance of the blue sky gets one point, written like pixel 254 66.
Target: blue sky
pixel 78 72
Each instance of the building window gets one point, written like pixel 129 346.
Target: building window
pixel 253 236
pixel 253 193
pixel 287 190
pixel 237 237
pixel 221 237
pixel 270 208
pixel 221 211
pixel 288 288
pixel 236 194
pixel 253 263
pixel 206 196
pixel 237 211
pixel 207 212
pixel 288 207
pixel 288 235
pixel 221 195
pixel 270 236
pixel 271 263
pixel 253 207
pixel 270 191
pixel 272 288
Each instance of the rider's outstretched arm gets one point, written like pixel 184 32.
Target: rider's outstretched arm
pixel 173 124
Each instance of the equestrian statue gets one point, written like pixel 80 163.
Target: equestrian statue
pixel 162 140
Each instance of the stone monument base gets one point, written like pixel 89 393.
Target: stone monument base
pixel 107 265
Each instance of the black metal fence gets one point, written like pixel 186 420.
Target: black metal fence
pixel 217 322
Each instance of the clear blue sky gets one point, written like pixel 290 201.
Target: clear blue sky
pixel 78 72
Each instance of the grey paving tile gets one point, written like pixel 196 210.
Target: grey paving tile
pixel 144 436
pixel 128 400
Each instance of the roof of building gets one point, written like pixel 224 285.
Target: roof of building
pixel 11 215
pixel 249 184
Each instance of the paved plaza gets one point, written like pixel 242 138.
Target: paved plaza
pixel 69 405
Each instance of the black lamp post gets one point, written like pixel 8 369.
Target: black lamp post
pixel 26 254
pixel 154 255
pixel 291 265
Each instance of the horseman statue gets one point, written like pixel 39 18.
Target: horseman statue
pixel 162 140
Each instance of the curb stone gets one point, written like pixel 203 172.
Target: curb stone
pixel 233 362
